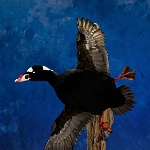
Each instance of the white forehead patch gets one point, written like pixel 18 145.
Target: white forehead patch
pixel 45 68
pixel 30 69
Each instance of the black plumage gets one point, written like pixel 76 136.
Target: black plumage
pixel 86 90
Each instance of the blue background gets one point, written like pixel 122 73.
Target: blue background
pixel 44 32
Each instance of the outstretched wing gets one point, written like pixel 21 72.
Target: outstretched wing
pixel 66 129
pixel 90 43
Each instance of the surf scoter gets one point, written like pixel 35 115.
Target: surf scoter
pixel 87 90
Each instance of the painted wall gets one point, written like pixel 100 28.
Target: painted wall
pixel 44 32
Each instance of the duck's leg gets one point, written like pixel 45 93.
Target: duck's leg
pixel 104 131
pixel 127 73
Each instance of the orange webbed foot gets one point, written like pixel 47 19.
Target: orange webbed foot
pixel 127 73
pixel 104 131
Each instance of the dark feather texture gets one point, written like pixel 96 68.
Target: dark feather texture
pixel 129 101
pixel 90 42
pixel 68 126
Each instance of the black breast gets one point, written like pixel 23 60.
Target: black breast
pixel 86 90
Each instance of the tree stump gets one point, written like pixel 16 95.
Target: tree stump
pixel 93 128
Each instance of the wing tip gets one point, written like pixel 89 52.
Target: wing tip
pixel 66 135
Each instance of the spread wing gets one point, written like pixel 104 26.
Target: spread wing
pixel 90 43
pixel 66 129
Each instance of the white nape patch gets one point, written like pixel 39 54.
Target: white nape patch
pixel 30 69
pixel 45 68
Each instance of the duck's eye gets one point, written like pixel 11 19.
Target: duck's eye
pixel 27 76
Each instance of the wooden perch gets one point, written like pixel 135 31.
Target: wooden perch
pixel 93 128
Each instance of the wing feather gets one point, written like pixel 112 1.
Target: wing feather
pixel 90 43
pixel 67 128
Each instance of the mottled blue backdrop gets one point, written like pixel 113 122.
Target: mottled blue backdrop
pixel 44 32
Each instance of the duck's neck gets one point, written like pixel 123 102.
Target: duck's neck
pixel 50 76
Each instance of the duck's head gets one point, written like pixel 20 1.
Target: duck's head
pixel 35 73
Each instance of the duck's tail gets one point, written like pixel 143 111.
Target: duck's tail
pixel 128 98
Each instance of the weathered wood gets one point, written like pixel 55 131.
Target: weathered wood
pixel 93 128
